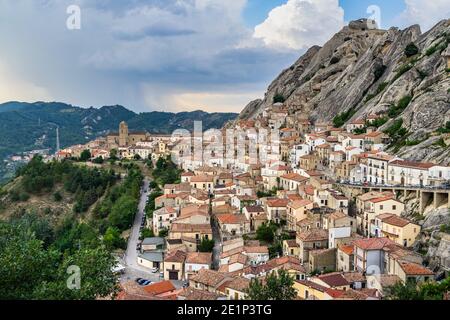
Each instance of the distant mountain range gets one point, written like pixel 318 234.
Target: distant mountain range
pixel 30 126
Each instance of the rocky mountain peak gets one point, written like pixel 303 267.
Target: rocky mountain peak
pixel 401 75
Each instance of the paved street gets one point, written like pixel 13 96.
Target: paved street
pixel 218 244
pixel 133 270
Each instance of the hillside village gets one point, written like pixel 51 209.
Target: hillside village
pixel 327 205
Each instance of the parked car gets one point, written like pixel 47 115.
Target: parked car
pixel 143 282
pixel 138 280
pixel 154 270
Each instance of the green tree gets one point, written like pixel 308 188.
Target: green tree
pixel 113 239
pixel 278 286
pixel 122 212
pixel 279 98
pixel 163 233
pixel 266 232
pixel 97 279
pixel 411 290
pixel 85 155
pixel 147 233
pixel 411 50
pixel 113 154
pixel 206 245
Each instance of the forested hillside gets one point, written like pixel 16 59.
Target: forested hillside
pixel 58 214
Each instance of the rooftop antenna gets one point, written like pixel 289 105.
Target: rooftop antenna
pixel 57 140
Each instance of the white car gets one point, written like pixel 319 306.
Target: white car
pixel 154 270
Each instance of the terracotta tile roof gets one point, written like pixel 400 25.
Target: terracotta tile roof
pixel 334 293
pixel 231 252
pixel 239 284
pixel 300 204
pixel 312 285
pixel 372 244
pixel 190 228
pixel 293 197
pixel 396 221
pixel 228 218
pixel 195 295
pixel 411 164
pixel 277 203
pixel 354 277
pixel 374 194
pixel 334 280
pixel 338 215
pixel 348 250
pixel 294 177
pixel 292 243
pixel 238 258
pixel 415 269
pixel 177 256
pixel 209 278
pixel 313 235
pixel 187 174
pixel 160 287
pixel 358 121
pixel 256 249
pixel 254 209
pixel 382 199
pixel 199 258
pixel 285 263
pixel 353 295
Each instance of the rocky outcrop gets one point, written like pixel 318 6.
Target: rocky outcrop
pixel 367 70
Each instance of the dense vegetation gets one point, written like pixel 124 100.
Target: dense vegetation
pixel 411 50
pixel 166 172
pixel 39 249
pixel 277 286
pixel 87 185
pixel 119 206
pixel 422 291
pixel 36 261
pixel 343 117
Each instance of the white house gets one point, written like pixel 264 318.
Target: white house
pixel 409 173
pixel 299 151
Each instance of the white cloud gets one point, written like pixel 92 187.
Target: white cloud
pixel 15 88
pixel 425 12
pixel 220 100
pixel 300 24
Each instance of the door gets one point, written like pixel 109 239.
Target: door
pixel 173 275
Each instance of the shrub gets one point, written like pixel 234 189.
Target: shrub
pixel 57 197
pixel 334 60
pixel 379 122
pixel 279 98
pixel 440 143
pixel 403 103
pixel 411 50
pixel 402 70
pixel 343 117
pixel 445 129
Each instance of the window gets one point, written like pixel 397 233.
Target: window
pixel 381 207
pixel 394 207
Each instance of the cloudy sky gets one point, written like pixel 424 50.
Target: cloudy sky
pixel 173 55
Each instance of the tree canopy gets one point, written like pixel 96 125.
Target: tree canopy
pixel 276 286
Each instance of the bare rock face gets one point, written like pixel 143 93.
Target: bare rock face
pixel 368 70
